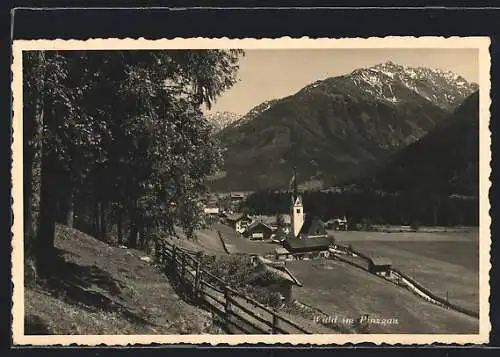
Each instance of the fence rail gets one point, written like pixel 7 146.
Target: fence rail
pixel 236 308
pixel 438 299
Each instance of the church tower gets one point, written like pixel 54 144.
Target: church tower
pixel 297 208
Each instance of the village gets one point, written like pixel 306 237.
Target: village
pixel 302 252
pixel 274 241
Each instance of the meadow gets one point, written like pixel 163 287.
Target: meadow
pixel 445 263
pixel 341 290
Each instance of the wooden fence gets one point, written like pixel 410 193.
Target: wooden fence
pixel 240 313
pixel 440 301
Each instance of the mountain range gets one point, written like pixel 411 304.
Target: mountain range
pixel 445 161
pixel 220 120
pixel 338 129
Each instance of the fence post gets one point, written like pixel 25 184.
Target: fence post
pixel 197 280
pixel 165 262
pixel 183 266
pixel 174 259
pixel 274 329
pixel 227 306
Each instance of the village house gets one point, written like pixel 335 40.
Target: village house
pixel 239 221
pixel 211 210
pixel 275 278
pixel 380 266
pixel 258 230
pixel 307 248
pixel 338 224
pixel 282 253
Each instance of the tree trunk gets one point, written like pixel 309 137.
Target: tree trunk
pixel 32 131
pixel 97 227
pixel 119 225
pixel 132 238
pixel 140 233
pixel 70 209
pixel 103 221
pixel 46 232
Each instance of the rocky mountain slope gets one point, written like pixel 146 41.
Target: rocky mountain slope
pixel 445 161
pixel 220 120
pixel 336 129
pixel 444 89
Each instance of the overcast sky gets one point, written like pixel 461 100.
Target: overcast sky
pixel 270 74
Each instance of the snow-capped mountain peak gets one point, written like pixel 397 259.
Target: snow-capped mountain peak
pixel 220 120
pixel 391 82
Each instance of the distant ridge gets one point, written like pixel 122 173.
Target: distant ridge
pixel 445 161
pixel 338 129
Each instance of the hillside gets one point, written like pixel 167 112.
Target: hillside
pixel 102 289
pixel 445 161
pixel 221 120
pixel 336 129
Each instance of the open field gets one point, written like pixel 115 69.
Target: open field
pixel 445 263
pixel 342 290
pixel 353 236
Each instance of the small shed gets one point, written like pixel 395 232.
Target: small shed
pixel 258 230
pixel 277 279
pixel 281 253
pixel 380 266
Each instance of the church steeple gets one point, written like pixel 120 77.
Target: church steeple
pixel 297 208
pixel 293 185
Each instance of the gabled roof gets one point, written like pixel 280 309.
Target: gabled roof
pixel 337 219
pixel 380 261
pixel 295 244
pixel 256 224
pixel 265 272
pixel 313 226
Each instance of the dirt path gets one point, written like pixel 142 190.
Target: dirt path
pixel 239 244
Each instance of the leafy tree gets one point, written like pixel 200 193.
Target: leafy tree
pixel 119 131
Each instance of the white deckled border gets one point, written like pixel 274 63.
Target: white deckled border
pixel 479 43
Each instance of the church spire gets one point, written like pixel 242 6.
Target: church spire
pixel 293 184
pixel 296 208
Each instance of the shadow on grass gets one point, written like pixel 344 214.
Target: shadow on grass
pixel 34 325
pixel 89 287
pixel 185 292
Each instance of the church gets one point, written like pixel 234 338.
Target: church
pixel 307 233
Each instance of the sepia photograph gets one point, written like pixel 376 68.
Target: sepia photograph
pixel 242 191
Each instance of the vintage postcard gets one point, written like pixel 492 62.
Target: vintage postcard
pixel 218 191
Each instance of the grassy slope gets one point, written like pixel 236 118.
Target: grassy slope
pixel 440 261
pixel 106 290
pixel 442 267
pixel 339 289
